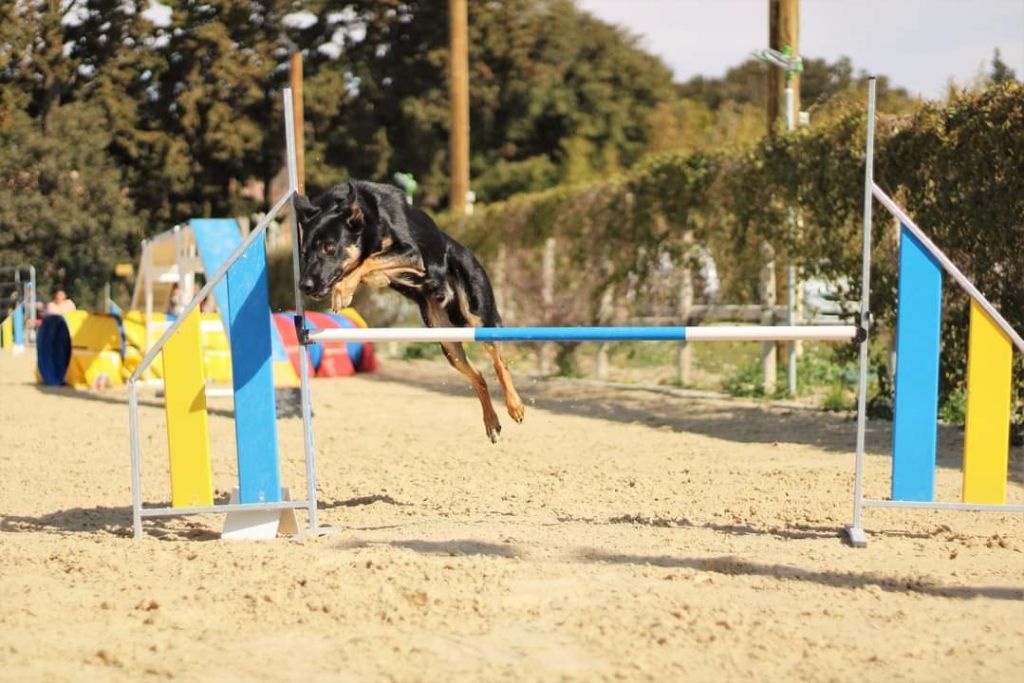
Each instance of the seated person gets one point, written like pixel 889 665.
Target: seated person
pixel 175 303
pixel 60 304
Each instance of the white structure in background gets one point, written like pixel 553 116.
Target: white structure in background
pixel 709 274
pixel 823 302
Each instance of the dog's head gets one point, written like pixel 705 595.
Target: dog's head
pixel 333 227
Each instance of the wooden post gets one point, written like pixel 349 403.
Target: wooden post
pixel 769 350
pixel 605 315
pixel 500 277
pixel 547 295
pixel 509 313
pixel 684 306
pixel 296 83
pixel 458 59
pixel 784 35
pixel 783 31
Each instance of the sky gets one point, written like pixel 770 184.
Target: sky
pixel 919 44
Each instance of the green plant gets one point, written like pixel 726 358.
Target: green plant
pixel 954 409
pixel 955 167
pixel 745 380
pixel 837 399
pixel 418 351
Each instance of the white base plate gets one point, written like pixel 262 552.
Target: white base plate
pixel 856 536
pixel 255 525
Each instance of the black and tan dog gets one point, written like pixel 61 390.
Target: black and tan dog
pixel 362 232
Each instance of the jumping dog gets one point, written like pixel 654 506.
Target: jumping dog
pixel 362 232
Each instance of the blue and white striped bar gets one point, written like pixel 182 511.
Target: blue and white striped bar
pixel 588 334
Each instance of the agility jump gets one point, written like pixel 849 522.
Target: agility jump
pixel 916 399
pixel 260 507
pixel 20 324
pixel 260 493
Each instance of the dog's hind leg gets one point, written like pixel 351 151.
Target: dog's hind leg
pixel 435 316
pixel 513 403
pixel 456 355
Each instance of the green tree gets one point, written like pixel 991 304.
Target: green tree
pixel 62 204
pixel 118 48
pixel 552 91
pixel 1001 71
pixel 743 84
pixel 57 51
pixel 820 82
pixel 211 115
pixel 32 37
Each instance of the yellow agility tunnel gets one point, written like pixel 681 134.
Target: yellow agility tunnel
pixel 94 350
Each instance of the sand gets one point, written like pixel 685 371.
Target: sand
pixel 618 534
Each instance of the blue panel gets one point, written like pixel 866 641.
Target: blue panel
pixel 253 377
pixel 497 334
pixel 19 324
pixel 216 239
pixel 279 352
pixel 915 409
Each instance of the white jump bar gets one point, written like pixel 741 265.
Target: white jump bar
pixel 581 334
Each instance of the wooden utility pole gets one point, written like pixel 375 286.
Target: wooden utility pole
pixel 784 39
pixel 296 83
pixel 783 32
pixel 458 58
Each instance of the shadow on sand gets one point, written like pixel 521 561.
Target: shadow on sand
pixel 698 413
pixel 736 566
pixel 723 564
pixel 288 401
pixel 117 521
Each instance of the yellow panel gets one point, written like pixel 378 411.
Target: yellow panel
pixel 7 332
pixel 987 433
pixel 187 429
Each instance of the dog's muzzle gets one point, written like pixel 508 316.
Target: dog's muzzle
pixel 309 288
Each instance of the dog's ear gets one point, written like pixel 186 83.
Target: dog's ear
pixel 342 193
pixel 347 198
pixel 304 209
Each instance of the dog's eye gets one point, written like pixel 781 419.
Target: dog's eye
pixel 326 248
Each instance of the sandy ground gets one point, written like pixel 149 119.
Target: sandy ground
pixel 616 535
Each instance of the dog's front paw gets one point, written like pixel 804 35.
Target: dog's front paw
pixel 517 411
pixel 340 298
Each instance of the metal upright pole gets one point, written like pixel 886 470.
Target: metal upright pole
pixel 300 315
pixel 856 530
pixel 133 430
pixel 790 265
pixel 32 301
pixel 147 267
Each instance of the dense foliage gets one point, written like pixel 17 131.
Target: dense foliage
pixel 74 223
pixel 955 167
